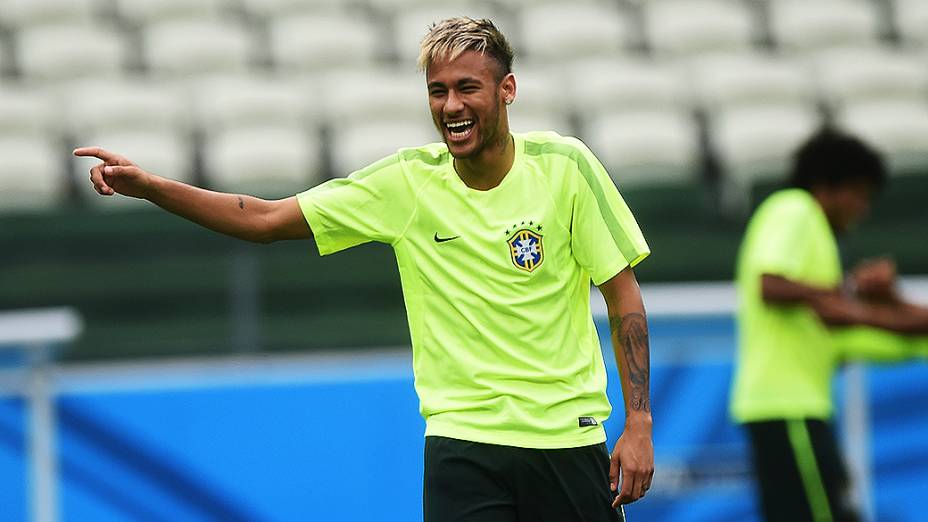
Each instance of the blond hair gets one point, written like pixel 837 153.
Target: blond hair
pixel 449 38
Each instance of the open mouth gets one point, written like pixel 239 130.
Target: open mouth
pixel 458 130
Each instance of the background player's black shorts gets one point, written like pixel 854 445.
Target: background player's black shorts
pixel 800 474
pixel 473 482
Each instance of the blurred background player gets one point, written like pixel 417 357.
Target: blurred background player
pixel 789 283
pixel 497 236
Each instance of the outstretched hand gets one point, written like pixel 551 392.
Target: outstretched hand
pixel 116 174
pixel 633 456
pixel 875 279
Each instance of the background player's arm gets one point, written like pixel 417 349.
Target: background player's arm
pixel 829 304
pixel 240 216
pixel 634 451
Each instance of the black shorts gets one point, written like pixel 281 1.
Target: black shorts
pixel 474 482
pixel 799 472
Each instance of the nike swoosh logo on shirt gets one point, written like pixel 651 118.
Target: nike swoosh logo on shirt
pixel 443 239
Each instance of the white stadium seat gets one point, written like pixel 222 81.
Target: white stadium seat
pixel 539 102
pixel 152 11
pixel 31 173
pixel 182 49
pixel 898 129
pixel 359 144
pixel 322 42
pixel 691 27
pixel 68 52
pixel 757 143
pixel 128 105
pixel 562 32
pixel 912 20
pixel 799 25
pixel 26 112
pixel 611 85
pixel 282 8
pixel 241 101
pixel 646 148
pixel 749 79
pixel 851 75
pixel 263 161
pixel 21 14
pixel 410 26
pixel 374 94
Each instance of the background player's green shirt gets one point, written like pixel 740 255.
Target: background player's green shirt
pixel 496 283
pixel 786 356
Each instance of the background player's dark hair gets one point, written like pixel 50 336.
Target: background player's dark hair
pixel 831 158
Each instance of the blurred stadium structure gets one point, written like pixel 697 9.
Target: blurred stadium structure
pixel 695 107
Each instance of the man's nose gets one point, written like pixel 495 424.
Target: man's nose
pixel 453 104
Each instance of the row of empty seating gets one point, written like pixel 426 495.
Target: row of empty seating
pixel 50 40
pixel 645 119
pixel 195 107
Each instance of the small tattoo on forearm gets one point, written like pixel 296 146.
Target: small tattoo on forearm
pixel 631 332
pixel 241 203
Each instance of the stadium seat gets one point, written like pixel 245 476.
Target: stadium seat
pixel 223 102
pixel 320 42
pixel 154 11
pixel 801 26
pixel 411 25
pixel 539 102
pixel 168 154
pixel 56 53
pixel 374 94
pixel 847 76
pixel 646 148
pixel 748 79
pixel 356 145
pixel 912 21
pixel 562 32
pixel 610 85
pixel 21 14
pixel 179 49
pixel 677 28
pixel 31 173
pixel 281 8
pixel 897 128
pixel 756 143
pixel 25 112
pixel 128 105
pixel 272 161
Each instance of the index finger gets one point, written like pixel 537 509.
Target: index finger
pixel 96 152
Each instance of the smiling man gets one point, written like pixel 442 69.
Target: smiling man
pixel 497 237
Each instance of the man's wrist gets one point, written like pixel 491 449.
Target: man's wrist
pixel 638 420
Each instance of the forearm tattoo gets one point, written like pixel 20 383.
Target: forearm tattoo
pixel 631 332
pixel 241 203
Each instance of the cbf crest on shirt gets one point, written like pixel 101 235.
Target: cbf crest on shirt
pixel 526 249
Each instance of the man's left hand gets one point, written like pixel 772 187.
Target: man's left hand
pixel 633 458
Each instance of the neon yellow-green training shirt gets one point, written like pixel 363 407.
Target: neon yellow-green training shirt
pixel 786 356
pixel 496 283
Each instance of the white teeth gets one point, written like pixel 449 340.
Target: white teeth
pixel 458 124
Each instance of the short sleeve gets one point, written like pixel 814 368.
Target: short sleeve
pixel 605 238
pixel 779 239
pixel 372 204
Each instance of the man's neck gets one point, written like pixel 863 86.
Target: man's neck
pixel 488 169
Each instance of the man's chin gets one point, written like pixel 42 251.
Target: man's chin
pixel 462 151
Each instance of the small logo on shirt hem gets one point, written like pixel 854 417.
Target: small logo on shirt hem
pixel 586 422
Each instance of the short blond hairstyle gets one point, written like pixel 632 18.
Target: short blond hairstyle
pixel 449 38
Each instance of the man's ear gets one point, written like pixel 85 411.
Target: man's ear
pixel 508 88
